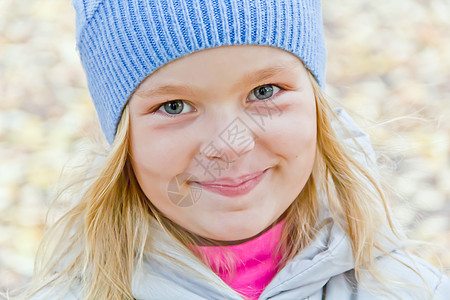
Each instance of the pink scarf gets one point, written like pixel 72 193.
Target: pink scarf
pixel 256 264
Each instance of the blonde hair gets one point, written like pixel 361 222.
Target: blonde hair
pixel 101 240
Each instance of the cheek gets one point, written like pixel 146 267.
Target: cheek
pixel 294 132
pixel 294 141
pixel 156 163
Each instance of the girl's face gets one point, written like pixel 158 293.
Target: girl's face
pixel 220 113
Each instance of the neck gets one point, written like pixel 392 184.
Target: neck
pixel 201 241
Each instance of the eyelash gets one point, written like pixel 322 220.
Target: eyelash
pixel 154 111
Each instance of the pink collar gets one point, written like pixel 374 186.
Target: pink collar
pixel 256 264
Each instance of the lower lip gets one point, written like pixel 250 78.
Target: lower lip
pixel 234 191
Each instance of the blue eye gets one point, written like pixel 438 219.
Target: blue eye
pixel 264 92
pixel 174 107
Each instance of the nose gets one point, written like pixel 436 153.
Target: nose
pixel 231 138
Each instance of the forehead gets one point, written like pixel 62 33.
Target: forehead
pixel 225 62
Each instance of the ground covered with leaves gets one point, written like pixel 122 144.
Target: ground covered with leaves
pixel 388 65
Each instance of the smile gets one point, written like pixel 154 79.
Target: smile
pixel 235 190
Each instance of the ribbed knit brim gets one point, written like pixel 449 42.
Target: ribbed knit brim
pixel 121 42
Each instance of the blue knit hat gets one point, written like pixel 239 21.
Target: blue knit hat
pixel 121 42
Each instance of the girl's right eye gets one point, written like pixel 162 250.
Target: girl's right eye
pixel 173 107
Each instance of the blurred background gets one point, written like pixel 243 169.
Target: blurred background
pixel 388 65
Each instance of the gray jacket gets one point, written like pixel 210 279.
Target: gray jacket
pixel 324 270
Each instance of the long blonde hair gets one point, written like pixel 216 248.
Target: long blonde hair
pixel 102 238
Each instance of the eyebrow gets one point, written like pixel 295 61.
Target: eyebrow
pixel 252 78
pixel 247 79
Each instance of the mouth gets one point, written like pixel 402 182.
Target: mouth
pixel 232 181
pixel 233 190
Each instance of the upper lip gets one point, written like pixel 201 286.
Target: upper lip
pixel 232 181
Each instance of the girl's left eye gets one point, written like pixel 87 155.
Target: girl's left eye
pixel 263 92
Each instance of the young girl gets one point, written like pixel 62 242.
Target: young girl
pixel 229 176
